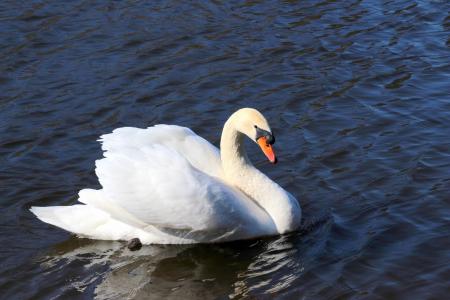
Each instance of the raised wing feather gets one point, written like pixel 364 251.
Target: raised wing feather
pixel 199 152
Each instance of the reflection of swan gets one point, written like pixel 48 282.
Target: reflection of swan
pixel 181 271
pixel 106 266
pixel 165 184
pixel 199 272
pixel 240 270
pixel 273 270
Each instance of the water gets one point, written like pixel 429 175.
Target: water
pixel 356 91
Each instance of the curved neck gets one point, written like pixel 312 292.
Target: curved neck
pixel 232 151
pixel 239 171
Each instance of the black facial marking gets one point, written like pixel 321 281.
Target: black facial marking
pixel 270 138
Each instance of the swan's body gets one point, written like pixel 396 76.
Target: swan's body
pixel 167 185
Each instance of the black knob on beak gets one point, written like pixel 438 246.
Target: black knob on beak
pixel 270 138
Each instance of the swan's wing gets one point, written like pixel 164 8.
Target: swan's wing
pixel 160 187
pixel 199 152
pixel 167 177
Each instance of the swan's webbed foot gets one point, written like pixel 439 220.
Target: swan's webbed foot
pixel 134 244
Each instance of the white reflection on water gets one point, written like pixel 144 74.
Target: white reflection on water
pixel 268 270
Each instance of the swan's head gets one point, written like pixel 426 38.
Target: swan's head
pixel 252 123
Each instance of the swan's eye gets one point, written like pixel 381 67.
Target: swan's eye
pixel 255 126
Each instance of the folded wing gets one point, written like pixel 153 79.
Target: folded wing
pixel 168 177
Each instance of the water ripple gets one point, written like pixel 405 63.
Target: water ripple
pixel 357 92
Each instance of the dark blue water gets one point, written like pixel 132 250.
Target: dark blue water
pixel 358 93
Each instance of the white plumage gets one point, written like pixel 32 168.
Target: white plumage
pixel 165 184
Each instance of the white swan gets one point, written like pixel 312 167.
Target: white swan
pixel 167 185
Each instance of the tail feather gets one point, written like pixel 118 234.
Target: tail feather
pixel 90 222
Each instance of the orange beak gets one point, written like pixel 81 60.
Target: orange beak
pixel 267 149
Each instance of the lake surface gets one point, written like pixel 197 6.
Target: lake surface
pixel 357 92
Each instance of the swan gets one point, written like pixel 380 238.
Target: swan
pixel 167 185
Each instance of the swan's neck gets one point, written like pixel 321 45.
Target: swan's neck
pixel 239 171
